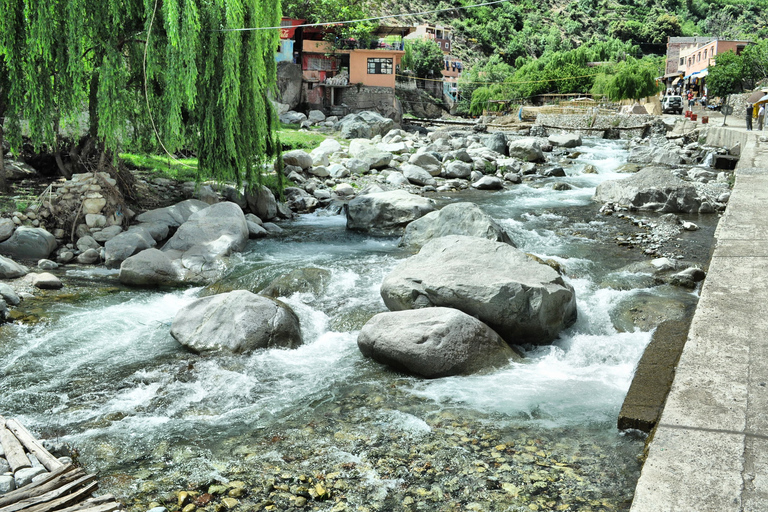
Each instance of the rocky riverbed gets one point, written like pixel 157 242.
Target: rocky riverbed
pixel 319 426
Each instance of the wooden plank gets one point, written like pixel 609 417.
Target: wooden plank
pixel 14 451
pixel 49 497
pixel 65 500
pixel 93 506
pixel 33 446
pixel 51 482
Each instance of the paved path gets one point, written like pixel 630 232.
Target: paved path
pixel 710 450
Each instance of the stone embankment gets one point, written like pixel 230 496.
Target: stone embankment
pixel 707 452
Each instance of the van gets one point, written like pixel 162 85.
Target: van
pixel 672 104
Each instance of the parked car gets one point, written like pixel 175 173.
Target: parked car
pixel 672 104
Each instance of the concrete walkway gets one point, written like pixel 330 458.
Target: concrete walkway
pixel 710 449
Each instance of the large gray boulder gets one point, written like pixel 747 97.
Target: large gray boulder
pixel 173 216
pixel 417 175
pixel 379 124
pixel 386 213
pixel 453 219
pixel 655 155
pixel 496 141
pixel 289 82
pixel 29 244
pixel 126 244
pixel 208 235
pixel 433 342
pixel 298 158
pixel 527 150
pixel 6 228
pixel 352 126
pixel 238 321
pixel 522 300
pixel 261 202
pixel 150 268
pixel 426 161
pixel 322 153
pixel 565 140
pixel 653 188
pixel 9 269
pixel 457 169
pixel 362 149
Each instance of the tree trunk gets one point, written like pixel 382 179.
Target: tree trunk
pixel 3 182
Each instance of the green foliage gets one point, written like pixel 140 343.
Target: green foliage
pixel 180 169
pixel 727 75
pixel 424 57
pixel 633 79
pixel 292 138
pixel 206 87
pixel 324 11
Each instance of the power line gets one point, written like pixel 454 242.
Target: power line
pixel 325 24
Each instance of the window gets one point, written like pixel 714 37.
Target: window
pixel 705 54
pixel 379 66
pixel 698 57
pixel 682 61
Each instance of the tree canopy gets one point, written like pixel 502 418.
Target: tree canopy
pixel 424 57
pixel 170 67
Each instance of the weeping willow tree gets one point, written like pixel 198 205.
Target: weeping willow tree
pixel 178 72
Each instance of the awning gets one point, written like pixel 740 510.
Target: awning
pixel 675 80
pixel 699 74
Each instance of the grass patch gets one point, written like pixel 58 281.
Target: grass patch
pixel 292 138
pixel 180 169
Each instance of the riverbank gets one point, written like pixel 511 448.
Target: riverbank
pixel 708 451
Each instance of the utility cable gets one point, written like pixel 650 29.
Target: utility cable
pixel 346 22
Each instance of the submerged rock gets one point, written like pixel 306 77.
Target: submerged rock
pixel 522 300
pixel 238 322
pixel 453 219
pixel 311 279
pixel 645 310
pixel 434 342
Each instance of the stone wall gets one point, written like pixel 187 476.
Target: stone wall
pixel 617 126
pixel 379 99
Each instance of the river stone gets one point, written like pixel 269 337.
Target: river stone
pixel 298 158
pixel 433 342
pixel 238 322
pixel 303 280
pixel 453 219
pixel 426 161
pixel 496 141
pixel 255 230
pixel 488 183
pixel 364 150
pixel 261 202
pixel 46 281
pixel 173 216
pixel 218 230
pixel 10 296
pixel 6 228
pixel 653 188
pixel 565 140
pixel 150 268
pixel 528 150
pixel 24 476
pixel 655 155
pixel 29 244
pixel 321 154
pixel 379 124
pixel 89 257
pixel 397 179
pixel 157 230
pixel 7 484
pixel 127 244
pixel 45 264
pixel 417 175
pixel 386 213
pixel 87 242
pixel 457 169
pixel 353 165
pixel 353 126
pixel 522 300
pixel 111 232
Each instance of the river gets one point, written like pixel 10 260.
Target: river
pixel 101 373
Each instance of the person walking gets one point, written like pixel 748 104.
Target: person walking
pixel 761 117
pixel 749 117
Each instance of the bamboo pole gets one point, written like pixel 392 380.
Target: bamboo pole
pixel 33 446
pixel 62 496
pixel 14 451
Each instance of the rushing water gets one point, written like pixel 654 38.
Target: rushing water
pixel 102 374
